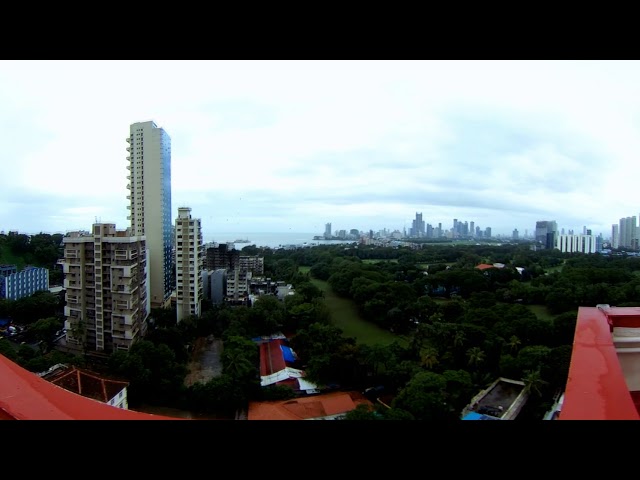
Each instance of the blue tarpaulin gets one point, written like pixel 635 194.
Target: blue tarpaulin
pixel 478 416
pixel 287 353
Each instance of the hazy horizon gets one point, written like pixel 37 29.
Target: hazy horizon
pixel 279 146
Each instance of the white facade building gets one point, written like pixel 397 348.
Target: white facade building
pixel 576 243
pixel 149 182
pixel 189 264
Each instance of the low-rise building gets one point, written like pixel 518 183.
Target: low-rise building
pixel 25 283
pixel 327 406
pixel 502 400
pixel 88 384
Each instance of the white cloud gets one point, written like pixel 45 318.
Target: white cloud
pixel 367 143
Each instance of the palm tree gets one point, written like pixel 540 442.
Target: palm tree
pixel 476 356
pixel 481 379
pixel 514 343
pixel 236 364
pixel 429 357
pixel 459 338
pixel 533 382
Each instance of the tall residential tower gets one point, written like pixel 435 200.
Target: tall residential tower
pixel 106 296
pixel 189 264
pixel 150 195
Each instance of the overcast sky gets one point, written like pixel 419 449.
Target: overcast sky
pixel 277 146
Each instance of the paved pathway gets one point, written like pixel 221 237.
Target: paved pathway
pixel 205 363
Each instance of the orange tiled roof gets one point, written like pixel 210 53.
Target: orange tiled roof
pixel 484 266
pixel 305 408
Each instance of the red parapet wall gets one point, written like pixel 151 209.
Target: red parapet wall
pixel 596 387
pixel 26 396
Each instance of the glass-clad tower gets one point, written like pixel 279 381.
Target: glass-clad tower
pixel 150 196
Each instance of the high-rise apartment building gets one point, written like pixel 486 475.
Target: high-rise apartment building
pixel 615 237
pixel 220 256
pixel 106 289
pixel 189 264
pixel 628 233
pixel 582 243
pixel 327 230
pixel 150 196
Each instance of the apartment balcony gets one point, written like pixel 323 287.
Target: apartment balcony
pixel 68 284
pixel 129 149
pixel 128 140
pixel 70 311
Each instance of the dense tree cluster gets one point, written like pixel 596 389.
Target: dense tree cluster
pixel 458 328
pixel 40 250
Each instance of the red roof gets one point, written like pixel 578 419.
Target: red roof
pixel 26 396
pixel 484 266
pixel 271 357
pixel 596 387
pixel 305 408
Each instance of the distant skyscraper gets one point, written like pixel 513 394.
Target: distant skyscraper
pixel 628 235
pixel 327 230
pixel 615 238
pixel 189 265
pixel 418 227
pixel 515 234
pixel 150 195
pixel 546 232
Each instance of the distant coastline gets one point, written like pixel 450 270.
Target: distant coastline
pixel 269 239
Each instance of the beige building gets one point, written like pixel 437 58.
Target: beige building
pixel 106 289
pixel 189 264
pixel 238 285
pixel 251 263
pixel 149 184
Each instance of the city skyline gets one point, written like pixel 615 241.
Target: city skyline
pixel 277 146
